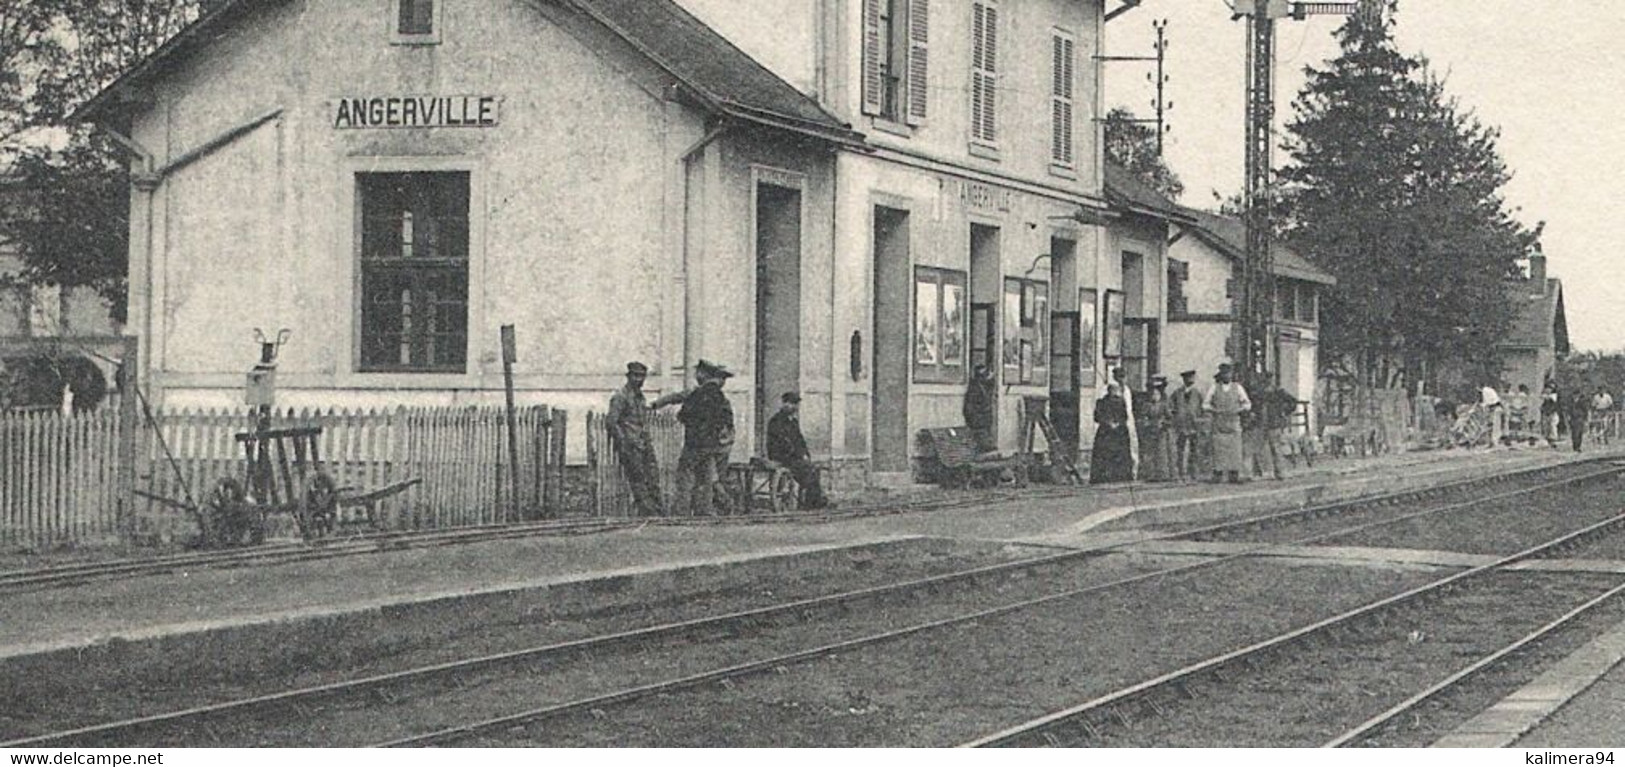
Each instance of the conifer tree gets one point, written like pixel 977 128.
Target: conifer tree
pixel 1397 191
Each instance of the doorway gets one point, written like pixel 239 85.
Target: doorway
pixel 893 286
pixel 986 293
pixel 1065 386
pixel 778 300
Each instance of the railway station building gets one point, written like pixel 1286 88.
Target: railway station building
pixel 861 200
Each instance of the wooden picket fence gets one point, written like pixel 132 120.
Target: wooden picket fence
pixel 60 482
pixel 59 478
pixel 612 496
pixel 459 454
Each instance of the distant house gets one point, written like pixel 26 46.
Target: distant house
pixel 1179 272
pixel 50 322
pixel 1203 286
pixel 1539 335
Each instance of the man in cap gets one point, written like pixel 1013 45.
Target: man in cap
pixel 1186 404
pixel 788 447
pixel 627 424
pixel 978 409
pixel 708 436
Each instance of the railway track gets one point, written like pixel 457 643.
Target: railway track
pixel 292 552
pixel 245 713
pixel 1093 720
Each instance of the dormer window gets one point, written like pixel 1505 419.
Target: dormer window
pixel 417 21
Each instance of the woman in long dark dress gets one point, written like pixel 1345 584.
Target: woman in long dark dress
pixel 1110 460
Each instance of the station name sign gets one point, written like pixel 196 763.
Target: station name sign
pixel 351 112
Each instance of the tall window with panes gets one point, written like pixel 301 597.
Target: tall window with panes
pixel 896 59
pixel 984 78
pixel 1063 76
pixel 414 271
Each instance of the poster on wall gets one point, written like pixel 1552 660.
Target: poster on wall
pixel 1112 325
pixel 926 318
pixel 1010 348
pixel 1087 320
pixel 953 324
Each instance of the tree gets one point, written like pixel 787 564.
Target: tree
pixel 27 47
pixel 1397 191
pixel 1133 146
pixel 66 210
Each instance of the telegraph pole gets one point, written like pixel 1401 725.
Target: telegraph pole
pixel 1258 274
pixel 1160 105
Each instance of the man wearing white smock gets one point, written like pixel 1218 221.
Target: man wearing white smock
pixel 1226 402
pixel 1491 402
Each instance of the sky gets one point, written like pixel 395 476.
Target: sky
pixel 1549 75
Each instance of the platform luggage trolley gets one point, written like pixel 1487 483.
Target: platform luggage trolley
pixel 283 474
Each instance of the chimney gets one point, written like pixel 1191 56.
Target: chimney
pixel 1537 271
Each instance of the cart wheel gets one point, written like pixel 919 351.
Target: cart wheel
pixel 319 506
pixel 223 509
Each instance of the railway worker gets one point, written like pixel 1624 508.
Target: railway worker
pixel 978 409
pixel 1275 409
pixel 1225 403
pixel 629 434
pixel 1550 411
pixel 1518 410
pixel 1109 459
pixel 1186 406
pixel 1575 406
pixel 787 446
pixel 1601 404
pixel 708 437
pixel 1491 402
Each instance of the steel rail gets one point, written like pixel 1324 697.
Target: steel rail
pixel 294 552
pixel 533 715
pixel 1481 664
pixel 677 628
pixel 1039 728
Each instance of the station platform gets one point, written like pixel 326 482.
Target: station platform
pixel 645 561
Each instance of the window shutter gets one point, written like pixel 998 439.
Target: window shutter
pixel 1061 103
pixel 873 79
pixel 919 37
pixel 984 72
pixel 990 55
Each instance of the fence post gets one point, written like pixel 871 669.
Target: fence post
pixel 129 425
pixel 555 489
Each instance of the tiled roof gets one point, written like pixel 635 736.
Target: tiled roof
pixel 1538 318
pixel 1229 234
pixel 727 79
pixel 707 62
pixel 1126 190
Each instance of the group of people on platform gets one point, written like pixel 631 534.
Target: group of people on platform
pixel 1520 416
pixel 1157 437
pixel 708 437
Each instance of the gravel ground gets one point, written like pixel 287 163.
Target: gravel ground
pixel 60 692
pixel 1004 669
pixel 1301 529
pixel 1442 714
pixel 1500 527
pixel 1605 547
pixel 1313 694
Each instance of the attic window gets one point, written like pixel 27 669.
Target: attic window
pixel 417 21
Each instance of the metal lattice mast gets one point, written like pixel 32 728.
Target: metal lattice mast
pixel 1257 278
pixel 1257 264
